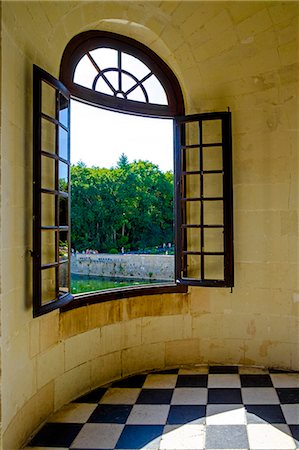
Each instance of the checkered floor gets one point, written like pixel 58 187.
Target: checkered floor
pixel 212 407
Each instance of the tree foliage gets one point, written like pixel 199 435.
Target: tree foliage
pixel 129 206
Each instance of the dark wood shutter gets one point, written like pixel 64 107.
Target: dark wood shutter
pixel 204 200
pixel 51 193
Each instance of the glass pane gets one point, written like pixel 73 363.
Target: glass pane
pixel 48 285
pixel 193 213
pixel 63 210
pixel 63 276
pixel 214 267
pixel 193 266
pixel 48 210
pixel 63 176
pixel 213 185
pixel 103 87
pixel 212 158
pixel 137 95
pixel 192 133
pixel 63 110
pixel 127 82
pixel 155 91
pixel 193 239
pixel 48 100
pixel 213 239
pixel 192 185
pixel 48 173
pixel 113 78
pixel 48 247
pixel 63 144
pixel 134 66
pixel 213 212
pixel 63 246
pixel 48 131
pixel 211 131
pixel 85 72
pixel 105 57
pixel 192 159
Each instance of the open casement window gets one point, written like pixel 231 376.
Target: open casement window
pixel 204 206
pixel 51 193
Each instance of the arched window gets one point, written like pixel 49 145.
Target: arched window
pixel 120 74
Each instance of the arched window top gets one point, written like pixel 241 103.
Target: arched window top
pixel 120 73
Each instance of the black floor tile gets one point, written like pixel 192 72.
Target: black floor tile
pixel 110 414
pixel 192 381
pixel 264 413
pixel 155 396
pixel 139 436
pixel 136 381
pixel 288 395
pixel 226 437
pixel 180 414
pixel 56 435
pixel 92 397
pixel 256 381
pixel 295 433
pixel 223 369
pixel 224 396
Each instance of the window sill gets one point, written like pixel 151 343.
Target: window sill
pixel 117 294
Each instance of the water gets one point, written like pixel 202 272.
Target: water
pixel 85 283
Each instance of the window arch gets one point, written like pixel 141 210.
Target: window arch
pixel 113 83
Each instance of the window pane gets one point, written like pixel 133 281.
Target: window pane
pixel 63 278
pixel 48 132
pixel 192 159
pixel 63 110
pixel 213 185
pixel 48 173
pixel 214 267
pixel 213 239
pixel 48 210
pixel 213 212
pixel 103 87
pixel 85 72
pixel 137 95
pixel 134 66
pixel 193 266
pixel 193 239
pixel 193 212
pixel 63 176
pixel 48 285
pixel 48 247
pixel 212 158
pixel 63 245
pixel 127 82
pixel 105 57
pixel 155 91
pixel 63 210
pixel 192 185
pixel 192 133
pixel 48 100
pixel 113 78
pixel 211 131
pixel 63 144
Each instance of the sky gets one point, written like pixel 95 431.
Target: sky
pixel 99 137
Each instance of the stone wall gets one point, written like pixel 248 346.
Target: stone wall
pixel 152 267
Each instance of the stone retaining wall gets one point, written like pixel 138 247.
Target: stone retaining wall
pixel 153 267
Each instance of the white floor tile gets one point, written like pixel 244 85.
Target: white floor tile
pixel 260 396
pixel 189 396
pixel 98 435
pixel 226 415
pixel 269 437
pixel 285 380
pixel 183 437
pixel 74 413
pixel 224 381
pixel 121 396
pixel 148 415
pixel 291 414
pixel 160 381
